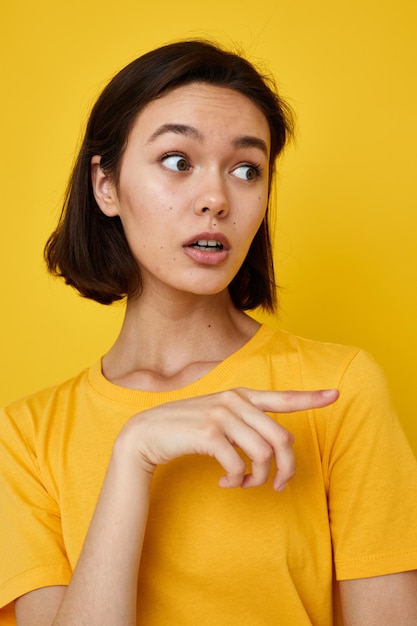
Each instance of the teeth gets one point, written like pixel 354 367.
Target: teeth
pixel 208 243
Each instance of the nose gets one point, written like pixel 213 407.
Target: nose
pixel 211 199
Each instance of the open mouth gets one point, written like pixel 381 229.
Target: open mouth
pixel 207 244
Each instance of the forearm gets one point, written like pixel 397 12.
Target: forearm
pixel 103 589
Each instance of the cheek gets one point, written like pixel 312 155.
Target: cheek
pixel 148 202
pixel 258 215
pixel 256 225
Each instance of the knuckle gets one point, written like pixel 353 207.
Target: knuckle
pixel 287 438
pixel 219 416
pixel 264 454
pixel 290 437
pixel 284 437
pixel 225 405
pixel 287 397
pixel 230 396
pixel 211 431
pixel 238 467
pixel 241 391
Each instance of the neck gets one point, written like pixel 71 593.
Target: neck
pixel 171 343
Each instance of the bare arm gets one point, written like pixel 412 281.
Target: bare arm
pixel 380 601
pixel 103 589
pixel 39 607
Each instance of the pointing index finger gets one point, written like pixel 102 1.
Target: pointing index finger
pixel 289 401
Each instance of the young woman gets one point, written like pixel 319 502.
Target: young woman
pixel 178 480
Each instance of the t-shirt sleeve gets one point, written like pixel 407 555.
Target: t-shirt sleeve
pixel 31 545
pixel 372 478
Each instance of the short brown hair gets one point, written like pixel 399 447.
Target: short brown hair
pixel 88 249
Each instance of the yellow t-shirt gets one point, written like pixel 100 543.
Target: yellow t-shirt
pixel 213 556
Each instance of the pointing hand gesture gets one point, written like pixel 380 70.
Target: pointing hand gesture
pixel 217 424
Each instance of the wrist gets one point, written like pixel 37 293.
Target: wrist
pixel 127 456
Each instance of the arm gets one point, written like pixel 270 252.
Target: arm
pixel 380 601
pixel 103 588
pixel 104 585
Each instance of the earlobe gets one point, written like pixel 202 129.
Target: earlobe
pixel 103 189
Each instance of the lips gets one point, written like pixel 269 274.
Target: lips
pixel 207 248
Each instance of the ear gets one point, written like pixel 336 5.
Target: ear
pixel 103 189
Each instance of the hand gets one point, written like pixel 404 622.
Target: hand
pixel 217 424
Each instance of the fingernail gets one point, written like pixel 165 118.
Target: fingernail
pixel 329 393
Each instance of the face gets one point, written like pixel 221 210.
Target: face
pixel 193 187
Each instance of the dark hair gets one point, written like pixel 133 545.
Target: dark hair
pixel 88 249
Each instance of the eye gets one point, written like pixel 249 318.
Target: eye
pixel 175 162
pixel 247 172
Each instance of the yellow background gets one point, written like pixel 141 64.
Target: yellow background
pixel 346 224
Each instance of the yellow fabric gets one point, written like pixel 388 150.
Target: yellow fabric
pixel 216 556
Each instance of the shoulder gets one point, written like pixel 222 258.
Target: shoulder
pixel 25 412
pixel 319 363
pixel 279 341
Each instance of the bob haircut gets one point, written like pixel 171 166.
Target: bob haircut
pixel 88 249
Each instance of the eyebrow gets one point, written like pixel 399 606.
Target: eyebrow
pixel 246 141
pixel 178 129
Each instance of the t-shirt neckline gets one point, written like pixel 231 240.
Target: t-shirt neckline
pixel 216 379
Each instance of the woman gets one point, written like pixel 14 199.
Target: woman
pixel 113 512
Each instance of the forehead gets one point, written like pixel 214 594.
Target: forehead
pixel 208 108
